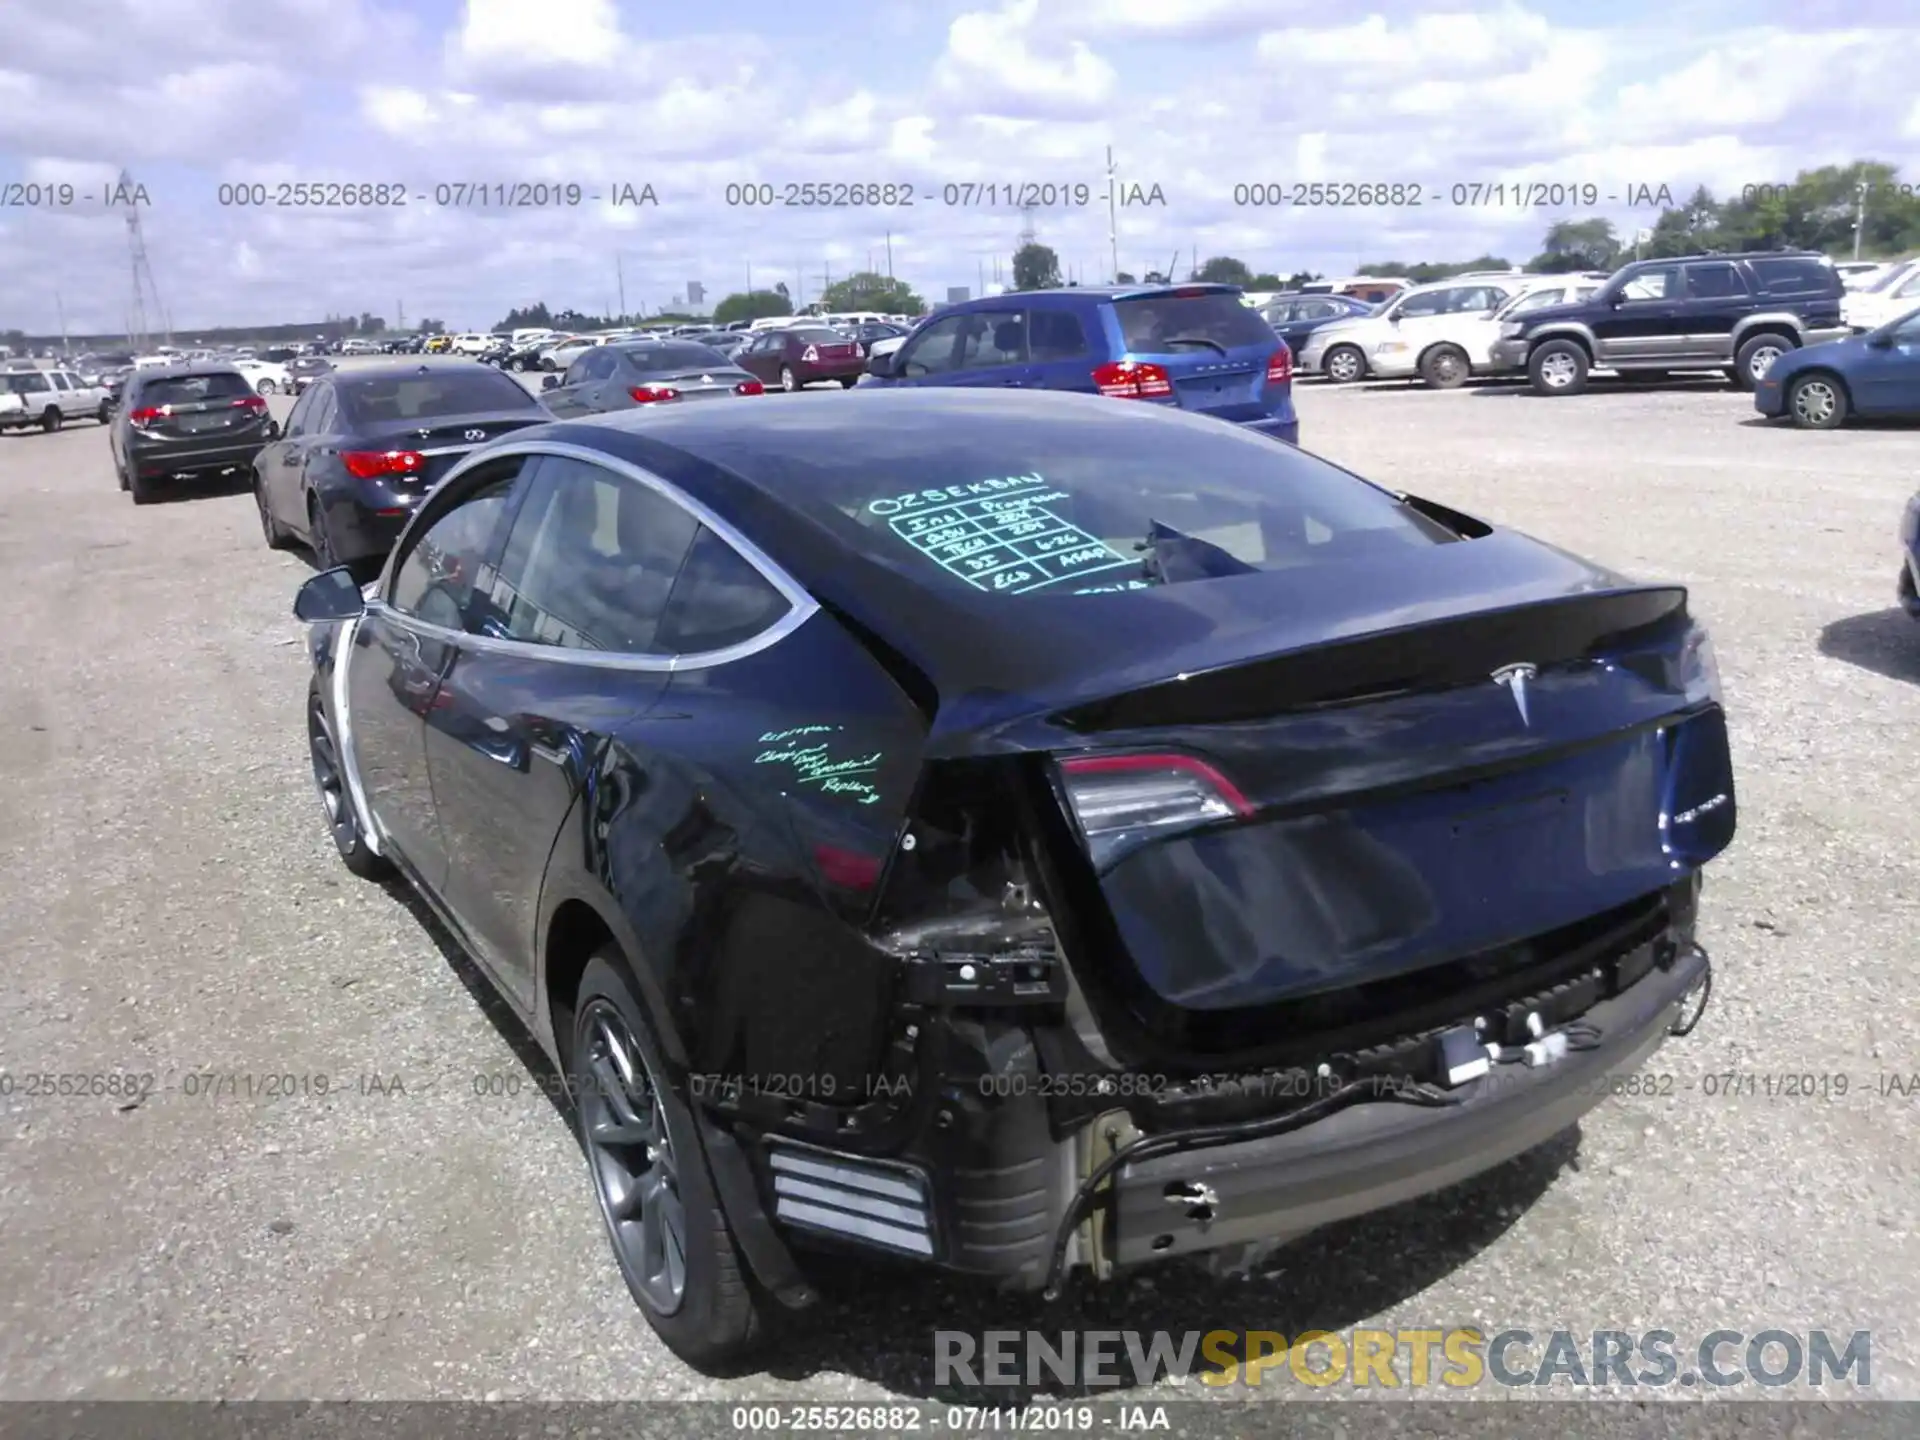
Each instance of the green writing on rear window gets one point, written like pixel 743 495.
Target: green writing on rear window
pixel 1003 536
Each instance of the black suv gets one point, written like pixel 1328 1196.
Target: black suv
pixel 1693 312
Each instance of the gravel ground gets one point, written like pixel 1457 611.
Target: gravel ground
pixel 173 906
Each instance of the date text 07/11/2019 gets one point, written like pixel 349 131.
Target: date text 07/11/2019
pixel 1461 194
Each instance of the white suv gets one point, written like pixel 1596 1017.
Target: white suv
pixel 1433 331
pixel 50 398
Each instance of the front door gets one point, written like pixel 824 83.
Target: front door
pixel 1643 322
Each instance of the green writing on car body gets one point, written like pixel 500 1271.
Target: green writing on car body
pixel 816 764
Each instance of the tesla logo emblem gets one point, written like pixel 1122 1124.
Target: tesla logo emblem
pixel 1515 678
pixel 706 379
pixel 476 434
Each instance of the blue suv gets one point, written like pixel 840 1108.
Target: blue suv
pixel 1196 347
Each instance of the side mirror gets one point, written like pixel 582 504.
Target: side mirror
pixel 552 382
pixel 884 367
pixel 330 595
pixel 1881 340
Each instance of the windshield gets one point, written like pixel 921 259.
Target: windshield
pixel 1070 506
pixel 1889 276
pixel 817 335
pixel 382 399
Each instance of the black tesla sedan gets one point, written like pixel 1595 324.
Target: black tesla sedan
pixel 362 447
pixel 1015 832
pixel 645 372
pixel 184 421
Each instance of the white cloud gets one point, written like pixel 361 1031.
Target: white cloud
pixel 998 63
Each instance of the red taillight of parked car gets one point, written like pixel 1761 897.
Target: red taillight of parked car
pixel 147 414
pixel 255 403
pixel 373 464
pixel 1133 380
pixel 652 394
pixel 749 387
pixel 1280 367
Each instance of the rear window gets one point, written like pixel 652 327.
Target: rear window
pixel 1794 276
pixel 1052 506
pixel 25 384
pixel 376 399
pixel 1176 324
pixel 192 389
pixel 683 356
pixel 817 335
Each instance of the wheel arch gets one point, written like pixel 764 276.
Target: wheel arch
pixel 1577 334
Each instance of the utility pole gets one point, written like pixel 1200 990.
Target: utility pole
pixel 61 309
pixel 400 316
pixel 1860 219
pixel 889 255
pixel 1113 217
pixel 620 276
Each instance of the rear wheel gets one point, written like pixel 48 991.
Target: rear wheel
pixel 329 777
pixel 270 527
pixel 649 1172
pixel 105 413
pixel 1817 402
pixel 788 380
pixel 1344 364
pixel 1750 365
pixel 847 381
pixel 51 419
pixel 143 490
pixel 1558 367
pixel 319 537
pixel 265 387
pixel 1445 367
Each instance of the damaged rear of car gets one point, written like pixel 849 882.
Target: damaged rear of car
pixel 1278 847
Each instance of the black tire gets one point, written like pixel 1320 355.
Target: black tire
pixel 143 490
pixel 319 537
pixel 1445 367
pixel 1558 367
pixel 105 414
pixel 849 381
pixel 51 419
pixel 1344 364
pixel 336 802
pixel 1750 364
pixel 627 1103
pixel 1817 401
pixel 277 538
pixel 788 380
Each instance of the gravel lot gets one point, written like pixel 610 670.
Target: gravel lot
pixel 173 905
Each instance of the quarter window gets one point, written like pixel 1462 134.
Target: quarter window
pixel 591 561
pixel 1713 282
pixel 719 600
pixel 444 569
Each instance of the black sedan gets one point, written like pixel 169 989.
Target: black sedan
pixel 872 332
pixel 363 447
pixel 882 811
pixel 645 372
pixel 185 421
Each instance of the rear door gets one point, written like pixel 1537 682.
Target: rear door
pixel 1214 349
pixel 1715 295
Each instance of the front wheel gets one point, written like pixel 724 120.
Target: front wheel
pixel 788 380
pixel 105 413
pixel 649 1172
pixel 1344 364
pixel 265 387
pixel 1817 402
pixel 329 777
pixel 1558 367
pixel 270 527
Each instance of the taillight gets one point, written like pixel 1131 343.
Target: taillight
pixel 372 464
pixel 146 415
pixel 1133 380
pixel 652 394
pixel 809 355
pixel 1280 367
pixel 1120 801
pixel 749 387
pixel 255 403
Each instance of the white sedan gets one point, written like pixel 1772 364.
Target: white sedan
pixel 267 378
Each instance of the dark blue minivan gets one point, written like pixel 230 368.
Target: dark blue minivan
pixel 1196 347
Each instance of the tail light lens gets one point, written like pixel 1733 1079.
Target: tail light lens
pixel 1133 380
pixel 372 464
pixel 255 403
pixel 1123 801
pixel 1280 367
pixel 749 387
pixel 809 355
pixel 146 415
pixel 652 394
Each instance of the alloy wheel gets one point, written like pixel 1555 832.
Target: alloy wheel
pixel 635 1171
pixel 1761 359
pixel 1343 366
pixel 1815 401
pixel 1557 371
pixel 329 779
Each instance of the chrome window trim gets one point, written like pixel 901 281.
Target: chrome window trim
pixel 801 606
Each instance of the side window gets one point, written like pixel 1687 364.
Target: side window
pixel 933 350
pixel 297 417
pixel 1661 282
pixel 995 337
pixel 1909 290
pixel 576 372
pixel 1908 331
pixel 1055 335
pixel 444 568
pixel 1434 302
pixel 60 382
pixel 320 419
pixel 1714 282
pixel 719 600
pixel 601 363
pixel 591 560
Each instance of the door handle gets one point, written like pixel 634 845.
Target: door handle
pixel 549 754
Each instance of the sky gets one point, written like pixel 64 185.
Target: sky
pixel 962 107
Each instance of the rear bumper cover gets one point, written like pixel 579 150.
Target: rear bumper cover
pixel 1287 429
pixel 1371 1156
pixel 187 459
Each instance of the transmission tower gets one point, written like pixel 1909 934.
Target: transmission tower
pixel 146 294
pixel 1029 233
